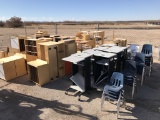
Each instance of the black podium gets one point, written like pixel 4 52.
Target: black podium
pixel 81 81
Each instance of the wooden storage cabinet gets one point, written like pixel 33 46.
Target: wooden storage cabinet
pixel 52 52
pixel 12 67
pixel 39 72
pixel 70 48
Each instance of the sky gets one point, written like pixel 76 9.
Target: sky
pixel 80 10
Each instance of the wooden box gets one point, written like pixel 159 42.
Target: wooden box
pixel 120 41
pixel 57 39
pixel 3 54
pixel 39 72
pixel 12 67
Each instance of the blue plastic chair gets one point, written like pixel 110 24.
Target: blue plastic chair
pixel 114 91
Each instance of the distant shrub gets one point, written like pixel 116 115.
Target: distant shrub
pixel 14 22
pixel 2 24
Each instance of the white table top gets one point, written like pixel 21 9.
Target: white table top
pixel 108 45
pixel 81 55
pixel 73 59
pixel 91 51
pixel 100 48
pixel 115 49
pixel 77 57
pixel 105 55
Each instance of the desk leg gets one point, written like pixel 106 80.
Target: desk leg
pixel 118 65
pixel 124 57
pixel 96 68
pixel 111 67
pixel 87 73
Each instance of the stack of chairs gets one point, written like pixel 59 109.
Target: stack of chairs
pixel 147 51
pixel 114 91
pixel 140 65
pixel 130 76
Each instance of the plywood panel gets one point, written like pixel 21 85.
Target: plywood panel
pixel 60 61
pixel 9 70
pixel 61 72
pixel 70 49
pixel 20 67
pixel 3 54
pixel 30 57
pixel 43 74
pixel 2 75
pixel 51 57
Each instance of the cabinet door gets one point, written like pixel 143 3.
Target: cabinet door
pixel 15 43
pixel 53 62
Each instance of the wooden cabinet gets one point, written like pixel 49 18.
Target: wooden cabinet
pixel 12 67
pixel 52 52
pixel 39 71
pixel 70 48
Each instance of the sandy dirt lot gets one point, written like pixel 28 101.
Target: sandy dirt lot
pixel 21 99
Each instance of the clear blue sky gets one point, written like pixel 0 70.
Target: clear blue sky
pixel 87 10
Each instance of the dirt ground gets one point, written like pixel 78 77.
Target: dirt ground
pixel 21 99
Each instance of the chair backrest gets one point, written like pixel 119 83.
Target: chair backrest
pixel 139 58
pixel 134 48
pixel 147 49
pixel 117 79
pixel 130 66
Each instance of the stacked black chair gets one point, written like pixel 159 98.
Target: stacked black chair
pixel 147 51
pixel 140 65
pixel 114 91
pixel 129 73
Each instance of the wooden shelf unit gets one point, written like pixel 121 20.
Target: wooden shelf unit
pixel 31 48
pixel 53 52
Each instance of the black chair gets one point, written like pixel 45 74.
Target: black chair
pixel 147 51
pixel 129 73
pixel 140 65
pixel 114 91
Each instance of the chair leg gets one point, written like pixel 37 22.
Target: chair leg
pixel 133 88
pixel 150 69
pixel 118 105
pixel 102 100
pixel 142 77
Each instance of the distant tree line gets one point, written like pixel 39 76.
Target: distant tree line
pixel 16 22
pixel 13 22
